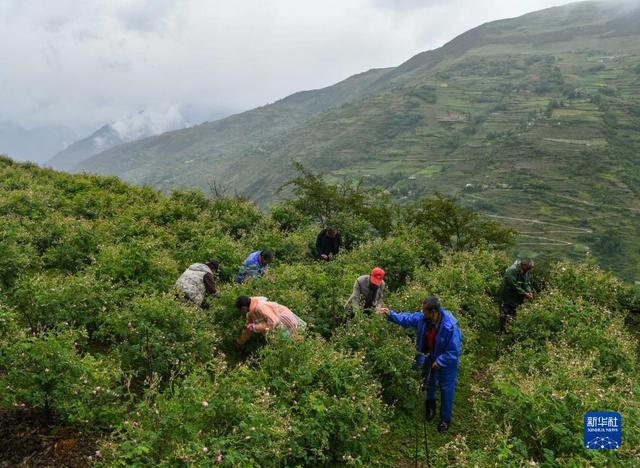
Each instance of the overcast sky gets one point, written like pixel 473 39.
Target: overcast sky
pixel 83 63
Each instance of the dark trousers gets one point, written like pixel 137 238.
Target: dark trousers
pixel 507 311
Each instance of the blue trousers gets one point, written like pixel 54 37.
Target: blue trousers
pixel 444 378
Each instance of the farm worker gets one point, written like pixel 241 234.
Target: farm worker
pixel 263 315
pixel 516 287
pixel 198 281
pixel 256 264
pixel 328 243
pixel 438 344
pixel 368 291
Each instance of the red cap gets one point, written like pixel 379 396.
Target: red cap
pixel 376 276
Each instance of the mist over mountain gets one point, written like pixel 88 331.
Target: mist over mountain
pixel 131 128
pixel 36 144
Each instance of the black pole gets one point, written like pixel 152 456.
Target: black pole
pixel 424 421
pixel 416 423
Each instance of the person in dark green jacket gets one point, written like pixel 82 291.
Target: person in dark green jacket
pixel 516 287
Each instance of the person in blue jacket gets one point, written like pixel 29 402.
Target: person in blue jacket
pixel 438 344
pixel 256 264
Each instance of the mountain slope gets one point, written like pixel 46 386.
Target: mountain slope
pixel 35 145
pixel 130 128
pixel 175 158
pixel 535 120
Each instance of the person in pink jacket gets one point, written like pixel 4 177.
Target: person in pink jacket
pixel 263 316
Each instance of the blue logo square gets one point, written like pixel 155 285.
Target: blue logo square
pixel 602 430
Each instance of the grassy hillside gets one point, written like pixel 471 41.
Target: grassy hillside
pixel 533 120
pixel 100 363
pixel 174 158
pixel 81 150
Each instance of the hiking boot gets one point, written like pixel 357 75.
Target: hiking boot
pixel 443 426
pixel 430 409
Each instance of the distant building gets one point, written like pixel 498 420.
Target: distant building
pixel 452 117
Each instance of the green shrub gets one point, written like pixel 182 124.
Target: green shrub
pixel 214 417
pixel 542 395
pixel 156 335
pixel 46 372
pixel 590 282
pixel 76 247
pixel 26 202
pixel 389 351
pixel 201 246
pixel 47 300
pixel 288 218
pixel 235 217
pixel 140 262
pixel 17 254
pixel 305 403
pixel 348 206
pixel 8 325
pixel 585 326
pixel 291 248
pixel 336 410
pixel 455 227
pixel 396 255
pixel 354 230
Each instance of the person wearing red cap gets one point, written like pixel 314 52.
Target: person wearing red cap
pixel 368 291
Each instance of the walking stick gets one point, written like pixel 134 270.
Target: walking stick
pixel 415 425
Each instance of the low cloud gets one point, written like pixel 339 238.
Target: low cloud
pixel 149 122
pixel 83 63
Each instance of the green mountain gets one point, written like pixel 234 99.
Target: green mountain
pixel 534 121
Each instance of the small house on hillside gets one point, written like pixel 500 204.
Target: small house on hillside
pixel 452 117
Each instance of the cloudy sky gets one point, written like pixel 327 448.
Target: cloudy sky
pixel 82 63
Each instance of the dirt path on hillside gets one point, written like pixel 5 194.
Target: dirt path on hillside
pixel 537 221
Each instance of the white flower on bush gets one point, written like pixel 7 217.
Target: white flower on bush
pixel 205 449
pixel 205 404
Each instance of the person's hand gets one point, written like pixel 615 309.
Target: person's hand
pixel 528 295
pixel 434 365
pixel 383 311
pixel 251 327
pixel 324 256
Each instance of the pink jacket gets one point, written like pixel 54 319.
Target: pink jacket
pixel 268 315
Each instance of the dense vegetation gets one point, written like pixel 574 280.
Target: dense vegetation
pixel 92 338
pixel 534 120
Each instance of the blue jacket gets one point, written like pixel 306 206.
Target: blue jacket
pixel 251 267
pixel 448 340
